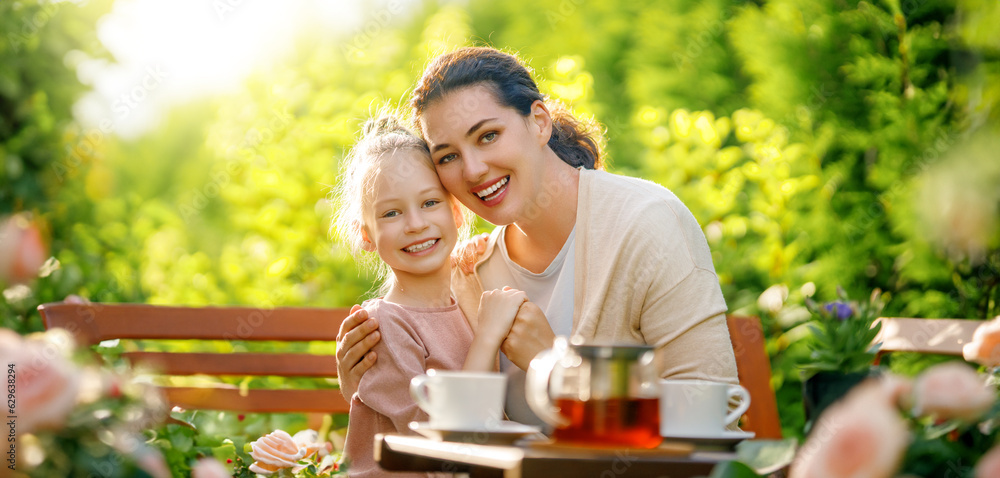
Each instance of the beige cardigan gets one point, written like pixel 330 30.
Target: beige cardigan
pixel 643 275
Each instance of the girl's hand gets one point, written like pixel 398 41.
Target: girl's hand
pixel 467 253
pixel 357 335
pixel 497 309
pixel 529 335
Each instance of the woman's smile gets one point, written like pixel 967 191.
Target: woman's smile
pixel 493 192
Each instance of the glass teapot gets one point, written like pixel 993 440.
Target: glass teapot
pixel 596 394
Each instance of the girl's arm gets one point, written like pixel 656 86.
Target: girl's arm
pixel 497 309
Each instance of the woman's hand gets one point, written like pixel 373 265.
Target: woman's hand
pixel 529 335
pixel 358 334
pixel 467 253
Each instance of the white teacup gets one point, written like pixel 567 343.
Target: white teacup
pixel 457 400
pixel 699 408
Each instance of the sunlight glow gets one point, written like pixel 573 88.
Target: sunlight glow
pixel 170 52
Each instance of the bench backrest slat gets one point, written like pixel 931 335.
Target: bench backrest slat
pixel 96 322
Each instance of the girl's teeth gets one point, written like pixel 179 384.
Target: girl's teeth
pixel 490 190
pixel 419 247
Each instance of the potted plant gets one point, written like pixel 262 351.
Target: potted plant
pixel 842 349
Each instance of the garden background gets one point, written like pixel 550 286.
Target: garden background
pixel 819 143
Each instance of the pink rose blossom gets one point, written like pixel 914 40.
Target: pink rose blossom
pixel 897 390
pixel 951 390
pixel 985 346
pixel 152 462
pixel 862 436
pixel 989 465
pixel 209 468
pixel 47 382
pixel 308 440
pixel 22 251
pixel 275 451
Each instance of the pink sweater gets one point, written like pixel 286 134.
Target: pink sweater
pixel 413 341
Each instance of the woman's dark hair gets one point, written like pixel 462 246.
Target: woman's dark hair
pixel 575 141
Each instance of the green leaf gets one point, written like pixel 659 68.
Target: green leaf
pixel 767 456
pixel 733 469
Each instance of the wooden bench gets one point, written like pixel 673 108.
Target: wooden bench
pixel 926 336
pixel 754 369
pixel 93 323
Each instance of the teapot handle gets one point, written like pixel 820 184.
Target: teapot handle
pixel 536 388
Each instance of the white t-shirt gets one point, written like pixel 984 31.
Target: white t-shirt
pixel 551 290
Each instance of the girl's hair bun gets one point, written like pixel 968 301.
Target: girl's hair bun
pixel 385 124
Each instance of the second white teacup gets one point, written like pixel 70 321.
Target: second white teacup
pixel 456 400
pixel 699 408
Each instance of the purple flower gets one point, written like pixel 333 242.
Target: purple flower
pixel 839 309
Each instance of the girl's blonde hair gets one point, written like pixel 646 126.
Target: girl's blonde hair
pixel 381 138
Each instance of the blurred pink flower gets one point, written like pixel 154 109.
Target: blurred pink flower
pixel 151 461
pixel 22 251
pixel 985 346
pixel 989 465
pixel 896 390
pixel 951 390
pixel 47 383
pixel 209 468
pixel 862 436
pixel 275 451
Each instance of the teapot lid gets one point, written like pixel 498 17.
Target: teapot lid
pixel 610 351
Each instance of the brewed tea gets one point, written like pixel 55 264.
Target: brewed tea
pixel 630 422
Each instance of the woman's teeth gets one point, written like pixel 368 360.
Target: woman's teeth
pixel 492 189
pixel 420 247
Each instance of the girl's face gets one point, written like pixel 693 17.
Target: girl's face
pixel 410 219
pixel 487 155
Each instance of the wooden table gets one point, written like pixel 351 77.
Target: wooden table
pixel 527 460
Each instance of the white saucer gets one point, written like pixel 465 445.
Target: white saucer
pixel 723 439
pixel 505 432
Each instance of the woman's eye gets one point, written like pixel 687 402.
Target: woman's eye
pixel 489 137
pixel 446 158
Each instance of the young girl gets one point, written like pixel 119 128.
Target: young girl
pixel 389 201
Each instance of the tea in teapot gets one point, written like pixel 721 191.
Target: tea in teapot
pixel 597 394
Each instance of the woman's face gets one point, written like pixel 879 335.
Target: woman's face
pixel 487 155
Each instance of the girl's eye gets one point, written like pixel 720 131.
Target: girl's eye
pixel 393 213
pixel 431 202
pixel 489 137
pixel 447 158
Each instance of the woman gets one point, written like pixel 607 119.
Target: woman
pixel 609 258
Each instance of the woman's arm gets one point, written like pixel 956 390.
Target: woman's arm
pixel 358 335
pixel 497 309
